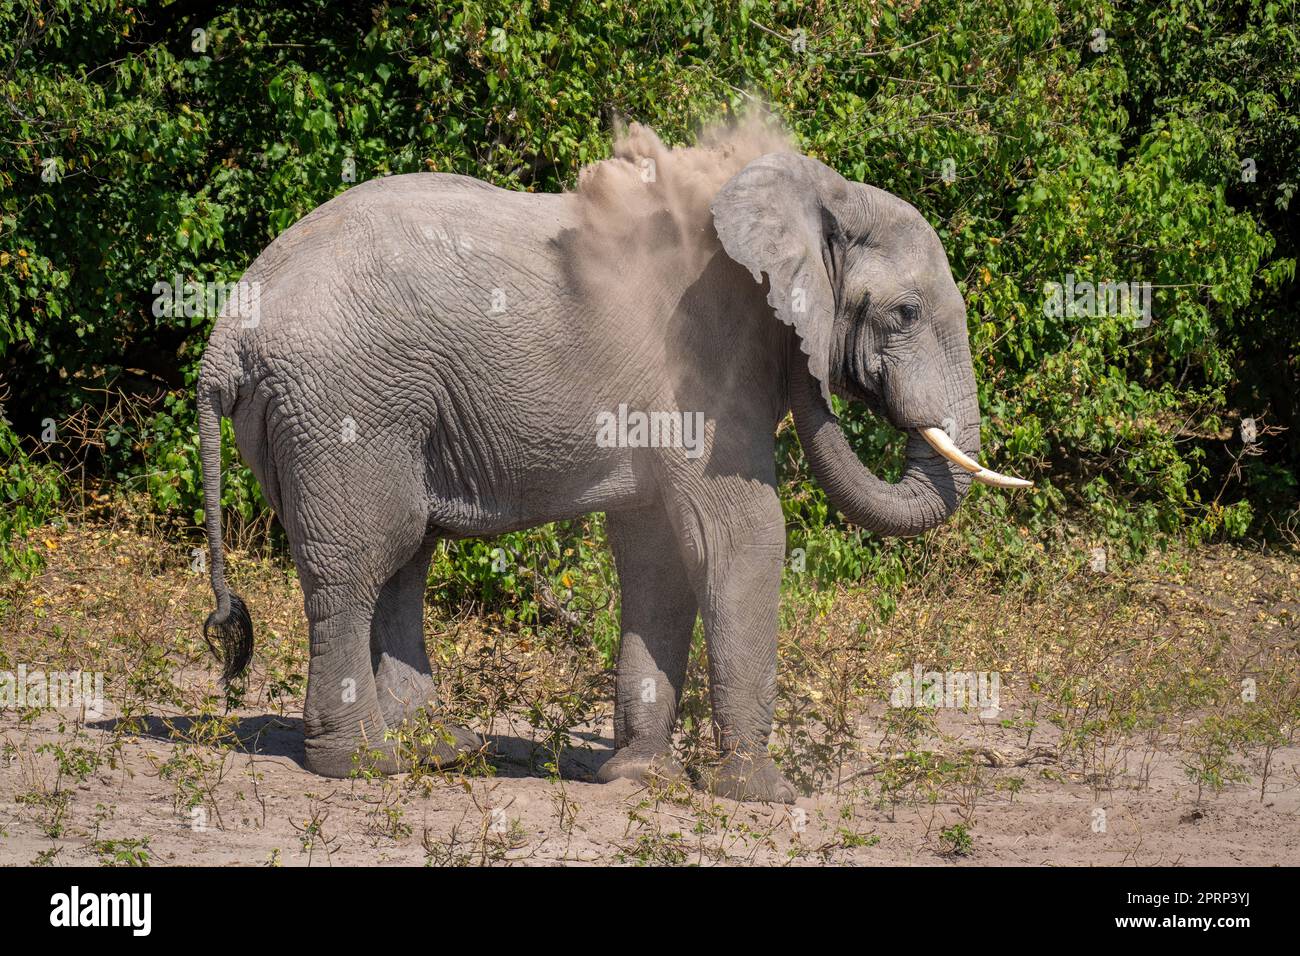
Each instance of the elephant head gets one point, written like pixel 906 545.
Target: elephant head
pixel 863 281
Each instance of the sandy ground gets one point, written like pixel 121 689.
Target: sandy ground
pixel 262 808
pixel 1120 691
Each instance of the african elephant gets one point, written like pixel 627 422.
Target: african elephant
pixel 434 357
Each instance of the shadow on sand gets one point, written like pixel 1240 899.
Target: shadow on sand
pixel 269 735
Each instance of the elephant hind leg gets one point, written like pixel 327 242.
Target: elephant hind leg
pixel 354 701
pixel 342 716
pixel 403 676
pixel 404 682
pixel 364 597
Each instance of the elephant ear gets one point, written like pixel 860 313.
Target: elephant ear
pixel 771 219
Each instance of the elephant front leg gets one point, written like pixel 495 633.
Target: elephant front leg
pixel 742 550
pixel 657 619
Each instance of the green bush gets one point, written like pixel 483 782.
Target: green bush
pixel 29 498
pixel 1043 138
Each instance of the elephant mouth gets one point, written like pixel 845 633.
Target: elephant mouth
pixel 851 391
pixel 848 388
pixel 938 439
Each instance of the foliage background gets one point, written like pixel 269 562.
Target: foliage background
pixel 1110 155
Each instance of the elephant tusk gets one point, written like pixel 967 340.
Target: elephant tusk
pixel 940 442
pixel 986 477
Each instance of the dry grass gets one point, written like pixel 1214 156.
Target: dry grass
pixel 1129 689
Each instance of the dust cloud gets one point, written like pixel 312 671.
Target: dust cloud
pixel 647 207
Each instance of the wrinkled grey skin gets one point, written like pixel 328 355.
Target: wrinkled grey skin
pixel 375 309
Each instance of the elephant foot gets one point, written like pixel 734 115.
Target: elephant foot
pixel 642 766
pixel 440 746
pixel 743 776
pixel 404 694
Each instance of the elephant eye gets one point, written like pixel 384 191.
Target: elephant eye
pixel 908 315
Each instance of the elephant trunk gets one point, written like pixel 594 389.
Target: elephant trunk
pixel 930 489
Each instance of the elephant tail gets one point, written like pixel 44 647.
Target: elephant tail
pixel 228 630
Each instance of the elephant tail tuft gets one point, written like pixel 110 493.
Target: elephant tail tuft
pixel 228 630
pixel 230 636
